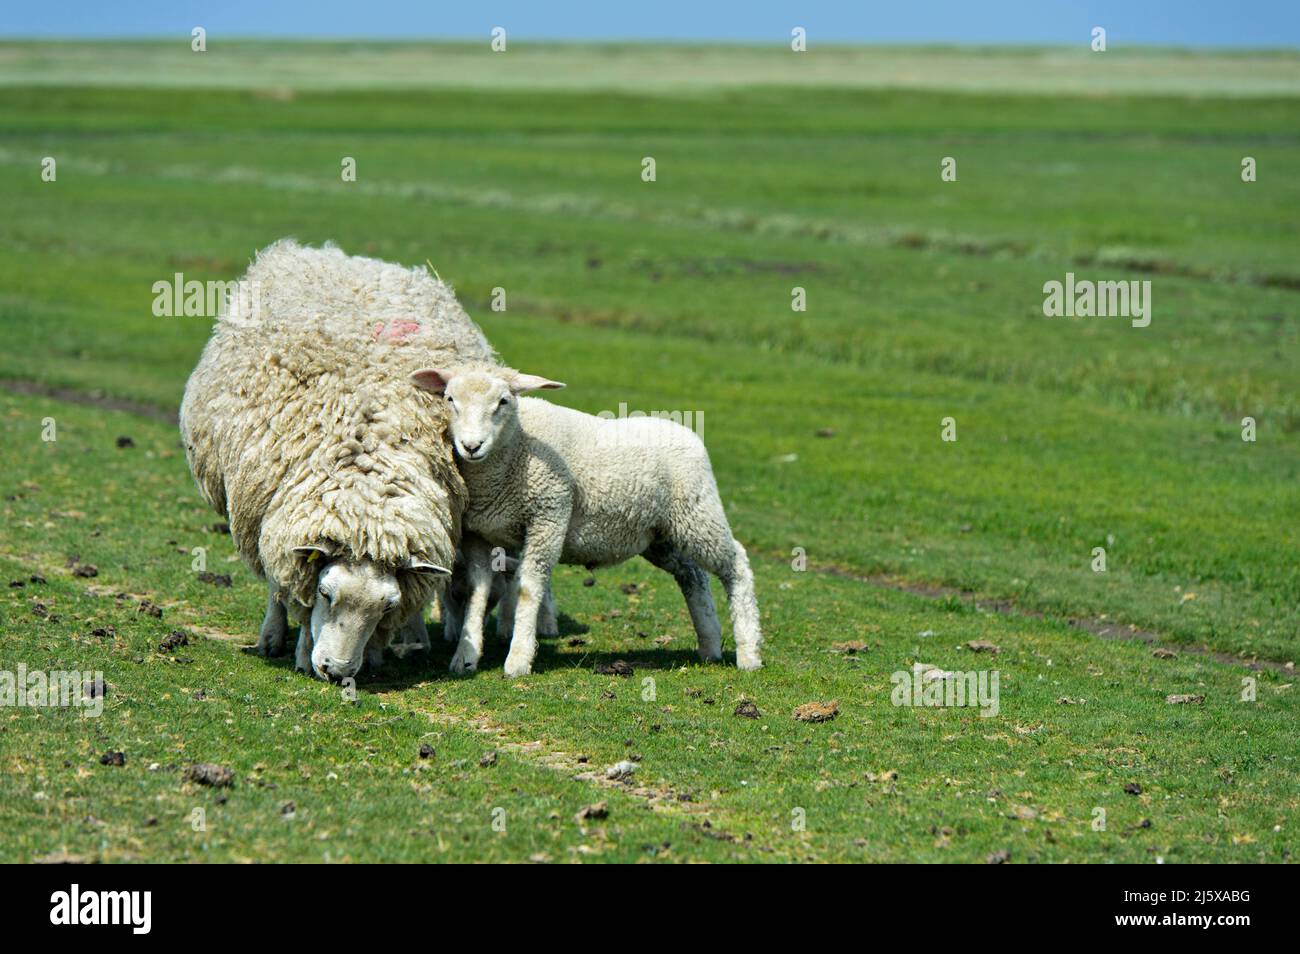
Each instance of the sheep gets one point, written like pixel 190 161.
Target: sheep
pixel 302 429
pixel 567 487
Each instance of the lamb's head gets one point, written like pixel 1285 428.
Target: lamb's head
pixel 351 599
pixel 483 405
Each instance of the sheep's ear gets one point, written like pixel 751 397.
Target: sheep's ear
pixel 422 566
pixel 316 551
pixel 533 382
pixel 435 382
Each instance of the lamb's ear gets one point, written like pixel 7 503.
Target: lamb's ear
pixel 532 382
pixel 316 551
pixel 435 382
pixel 422 566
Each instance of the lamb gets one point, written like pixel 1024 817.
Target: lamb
pixel 567 487
pixel 303 430
pixel 455 596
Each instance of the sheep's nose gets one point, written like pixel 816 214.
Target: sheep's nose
pixel 471 447
pixel 332 671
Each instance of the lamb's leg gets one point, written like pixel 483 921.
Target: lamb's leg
pixel 302 655
pixel 738 581
pixel 694 585
pixel 479 573
pixel 374 655
pixel 542 549
pixel 271 637
pixel 709 542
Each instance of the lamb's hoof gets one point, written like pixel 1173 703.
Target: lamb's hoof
pixel 518 667
pixel 465 660
pixel 547 628
pixel 748 662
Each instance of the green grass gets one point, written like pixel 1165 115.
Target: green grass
pixel 924 302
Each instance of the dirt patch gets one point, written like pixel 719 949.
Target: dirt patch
pixel 89 399
pixel 1105 629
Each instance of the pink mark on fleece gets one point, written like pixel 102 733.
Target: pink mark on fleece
pixel 394 331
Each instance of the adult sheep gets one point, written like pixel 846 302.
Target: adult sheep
pixel 302 428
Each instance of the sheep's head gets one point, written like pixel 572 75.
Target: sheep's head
pixel 483 405
pixel 351 599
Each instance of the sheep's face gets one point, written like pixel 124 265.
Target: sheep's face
pixel 351 599
pixel 484 407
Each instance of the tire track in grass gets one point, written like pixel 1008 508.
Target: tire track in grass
pixel 731 219
pixel 663 799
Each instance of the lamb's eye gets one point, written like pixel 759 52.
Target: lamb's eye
pixel 450 402
pixel 324 594
pixel 504 401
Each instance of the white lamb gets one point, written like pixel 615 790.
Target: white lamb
pixel 567 487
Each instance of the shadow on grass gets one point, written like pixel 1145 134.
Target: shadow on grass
pixel 431 665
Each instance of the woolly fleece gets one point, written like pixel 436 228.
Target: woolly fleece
pixel 302 427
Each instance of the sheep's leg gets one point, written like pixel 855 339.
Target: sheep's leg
pixel 449 611
pixel 479 572
pixel 506 607
pixel 271 637
pixel 302 655
pixel 547 624
pixel 412 635
pixel 694 585
pixel 542 549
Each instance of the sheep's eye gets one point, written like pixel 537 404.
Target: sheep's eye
pixel 504 401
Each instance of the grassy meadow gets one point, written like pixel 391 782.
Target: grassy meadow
pixel 924 302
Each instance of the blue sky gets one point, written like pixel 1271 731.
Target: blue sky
pixel 1274 23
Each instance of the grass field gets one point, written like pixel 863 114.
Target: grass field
pixel 924 301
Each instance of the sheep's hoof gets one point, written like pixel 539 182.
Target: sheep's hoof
pixel 270 642
pixel 518 667
pixel 465 660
